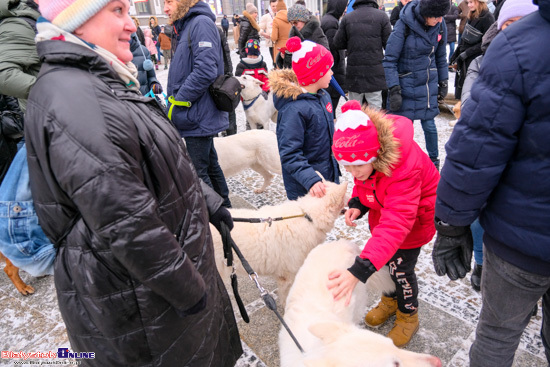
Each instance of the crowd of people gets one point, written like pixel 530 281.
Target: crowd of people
pixel 125 187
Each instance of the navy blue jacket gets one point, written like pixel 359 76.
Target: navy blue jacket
pixel 498 157
pixel 416 61
pixel 193 70
pixel 305 126
pixel 141 53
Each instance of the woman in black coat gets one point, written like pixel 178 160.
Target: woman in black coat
pixel 479 21
pixel 329 24
pixel 116 192
pixel 249 28
pixel 305 26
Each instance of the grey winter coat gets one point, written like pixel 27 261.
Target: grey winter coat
pixel 115 189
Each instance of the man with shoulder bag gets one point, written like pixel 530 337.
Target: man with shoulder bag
pixel 197 63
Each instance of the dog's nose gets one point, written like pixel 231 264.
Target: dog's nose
pixel 434 361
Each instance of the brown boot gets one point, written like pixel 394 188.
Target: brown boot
pixel 406 325
pixel 381 313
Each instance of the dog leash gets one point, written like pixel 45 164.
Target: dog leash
pixel 228 245
pixel 270 220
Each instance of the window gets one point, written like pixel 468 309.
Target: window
pixel 143 7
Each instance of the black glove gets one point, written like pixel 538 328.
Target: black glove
pixel 395 98
pixel 362 269
pixel 221 215
pixel 452 253
pixel 442 90
pixel 355 203
pixel 157 88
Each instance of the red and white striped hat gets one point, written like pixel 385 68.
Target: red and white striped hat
pixel 355 139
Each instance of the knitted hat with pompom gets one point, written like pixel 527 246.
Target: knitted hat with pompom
pixel 310 61
pixel 355 139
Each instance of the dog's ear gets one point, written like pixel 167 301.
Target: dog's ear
pixel 338 194
pixel 328 331
pixel 259 82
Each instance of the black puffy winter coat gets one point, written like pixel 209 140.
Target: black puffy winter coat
pixel 364 33
pixel 329 24
pixel 11 131
pixel 115 189
pixel 249 30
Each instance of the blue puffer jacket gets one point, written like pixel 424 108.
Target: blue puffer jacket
pixel 498 154
pixel 305 126
pixel 416 61
pixel 141 53
pixel 193 70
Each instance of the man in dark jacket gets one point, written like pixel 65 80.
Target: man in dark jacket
pixel 497 167
pixel 364 33
pixel 225 25
pixel 329 24
pixel 19 63
pixel 197 62
pixel 394 17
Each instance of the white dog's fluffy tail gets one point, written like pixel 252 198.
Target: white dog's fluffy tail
pixel 381 282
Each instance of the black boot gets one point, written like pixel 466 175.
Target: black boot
pixel 475 279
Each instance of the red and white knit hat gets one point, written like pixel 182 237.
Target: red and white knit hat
pixel 355 139
pixel 310 61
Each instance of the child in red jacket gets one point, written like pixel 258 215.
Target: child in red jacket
pixel 395 182
pixel 253 64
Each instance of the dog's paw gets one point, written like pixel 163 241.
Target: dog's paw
pixel 26 290
pixel 259 191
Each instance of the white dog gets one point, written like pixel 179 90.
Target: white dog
pixel 279 249
pixel 326 329
pixel 258 110
pixel 254 149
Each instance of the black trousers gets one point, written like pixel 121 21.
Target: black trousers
pixel 401 267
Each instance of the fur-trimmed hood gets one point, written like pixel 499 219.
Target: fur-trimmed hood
pixel 183 9
pixel 252 21
pixel 284 84
pixel 391 148
pixel 155 21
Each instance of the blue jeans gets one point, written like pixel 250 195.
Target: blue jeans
pixel 477 234
pixel 430 134
pixel 21 237
pixel 451 50
pixel 205 159
pixel 509 295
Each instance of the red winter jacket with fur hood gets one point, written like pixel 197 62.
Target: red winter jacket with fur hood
pixel 400 193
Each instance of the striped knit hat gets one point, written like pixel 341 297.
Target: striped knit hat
pixel 70 14
pixel 355 138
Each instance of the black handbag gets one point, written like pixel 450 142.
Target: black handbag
pixel 226 89
pixel 226 92
pixel 471 35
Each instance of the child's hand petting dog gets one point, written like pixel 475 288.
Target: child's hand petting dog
pixel 318 190
pixel 342 283
pixel 351 215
